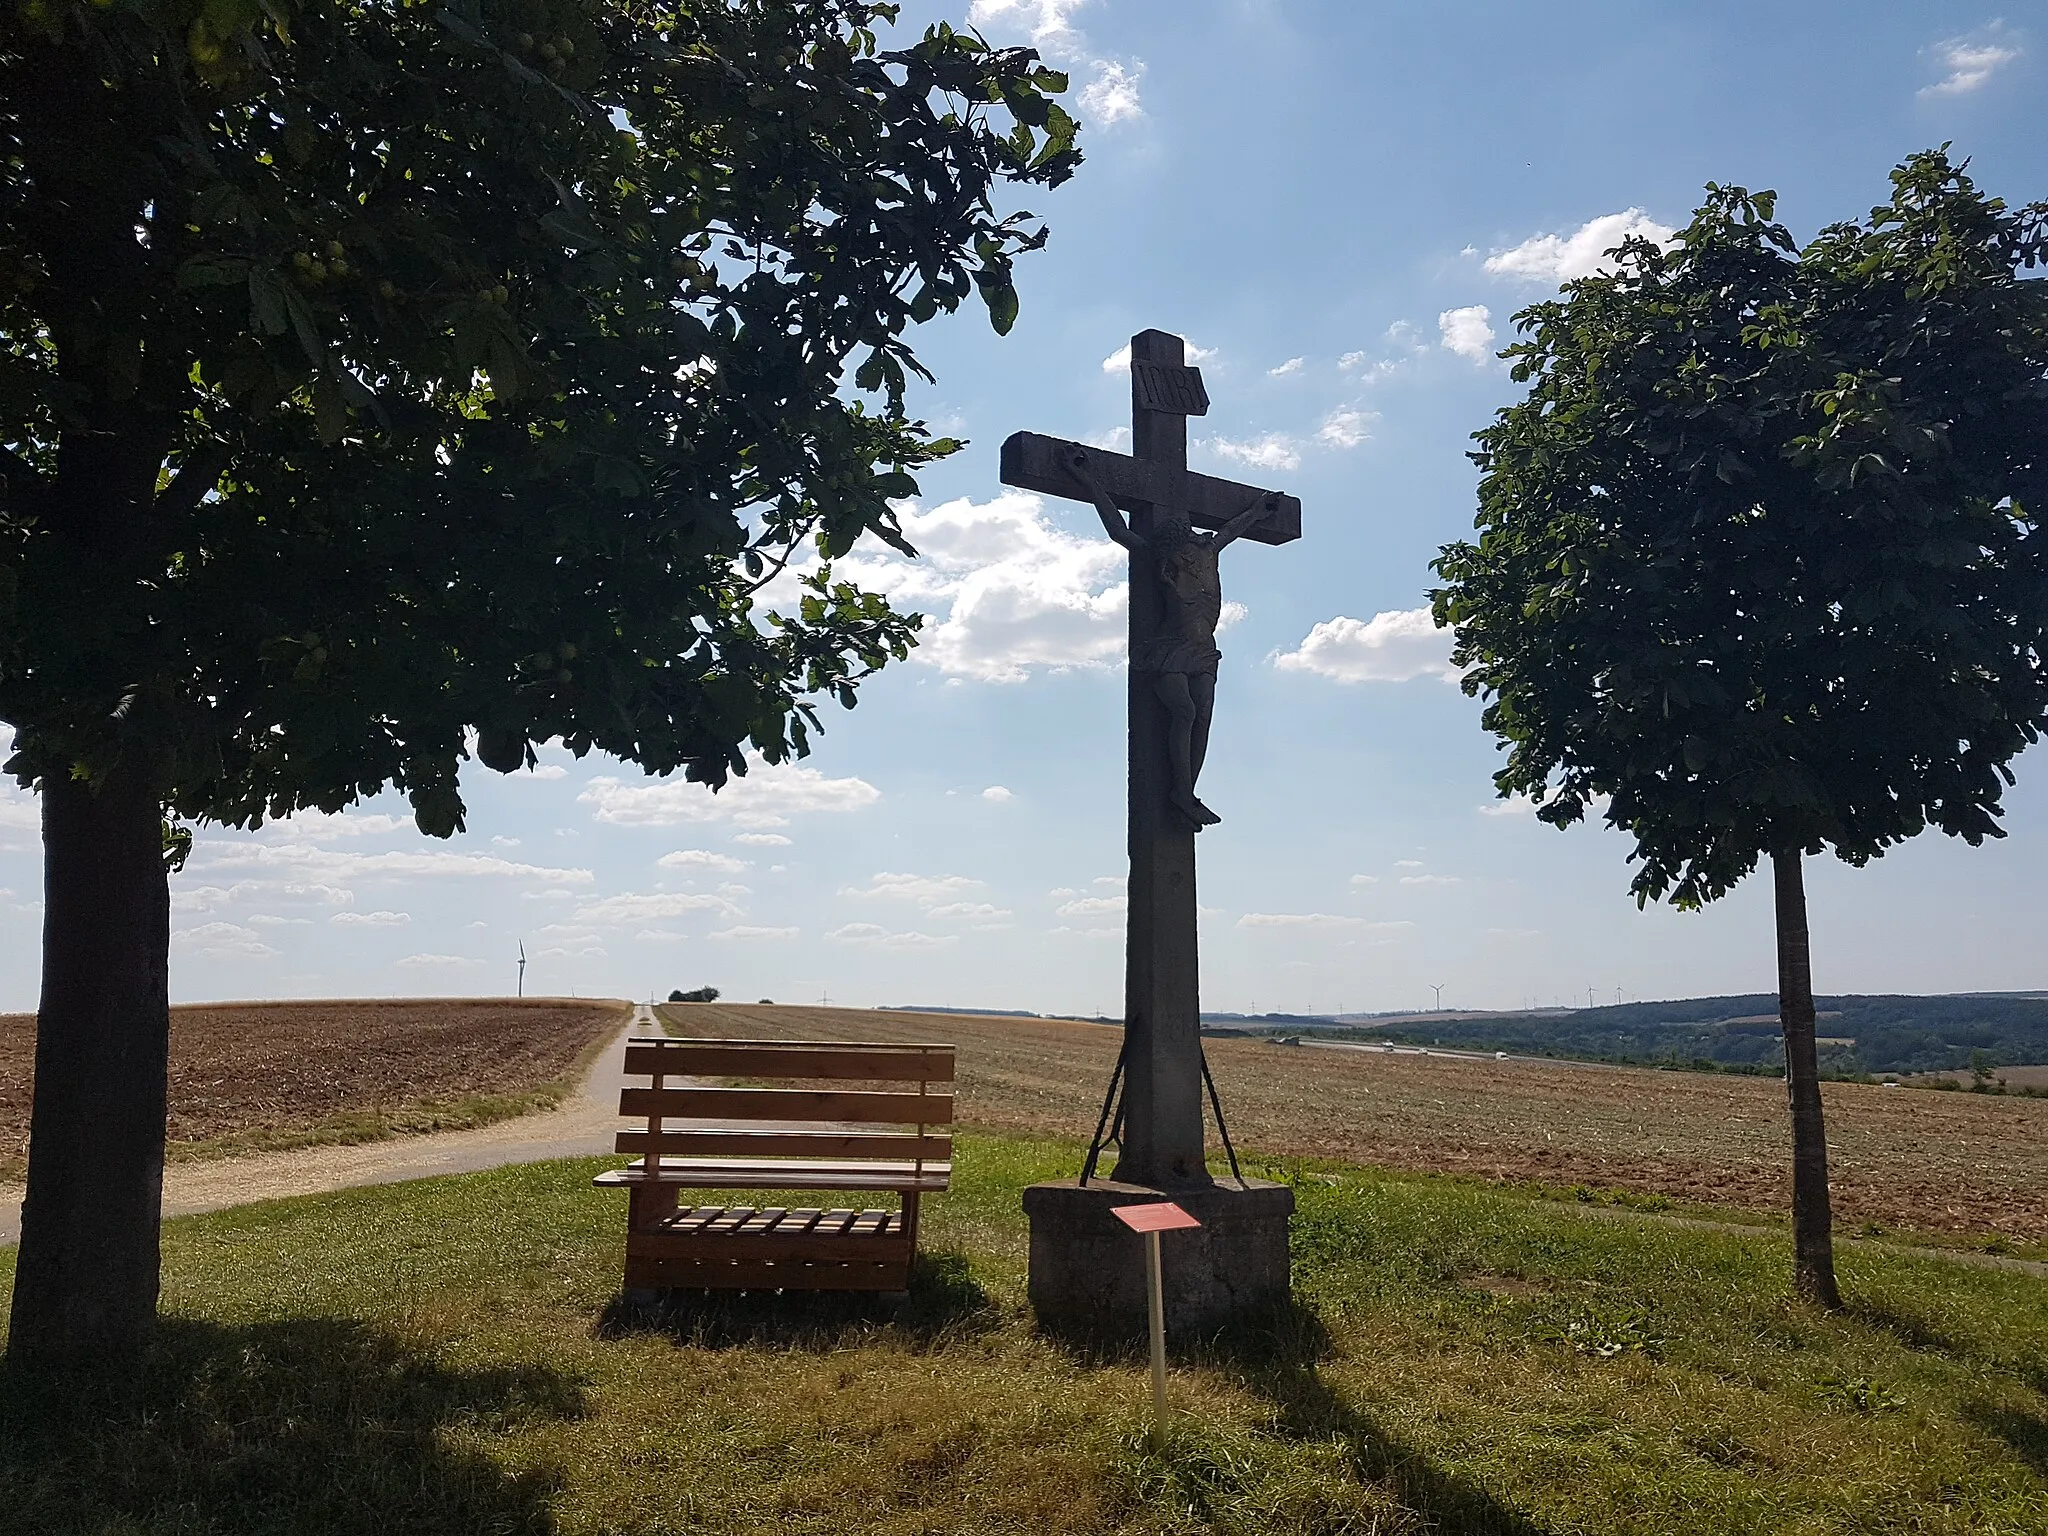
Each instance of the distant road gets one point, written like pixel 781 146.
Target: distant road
pixel 1438 1050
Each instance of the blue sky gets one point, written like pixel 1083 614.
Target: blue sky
pixel 1341 205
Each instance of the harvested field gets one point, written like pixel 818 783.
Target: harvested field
pixel 268 1075
pixel 1958 1162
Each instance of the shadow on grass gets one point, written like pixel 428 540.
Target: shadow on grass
pixel 1291 1332
pixel 1277 1358
pixel 1916 1333
pixel 944 1302
pixel 1275 1354
pixel 1919 1334
pixel 307 1426
pixel 2024 1431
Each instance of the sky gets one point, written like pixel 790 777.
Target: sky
pixel 1341 205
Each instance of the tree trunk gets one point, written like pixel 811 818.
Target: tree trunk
pixel 86 1284
pixel 1813 1263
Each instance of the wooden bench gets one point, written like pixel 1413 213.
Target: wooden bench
pixel 858 1138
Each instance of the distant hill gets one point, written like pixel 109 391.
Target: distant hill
pixel 1859 1034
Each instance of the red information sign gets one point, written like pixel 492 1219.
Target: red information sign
pixel 1154 1216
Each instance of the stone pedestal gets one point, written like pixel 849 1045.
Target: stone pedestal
pixel 1088 1268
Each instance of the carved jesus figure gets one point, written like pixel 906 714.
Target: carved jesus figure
pixel 1182 659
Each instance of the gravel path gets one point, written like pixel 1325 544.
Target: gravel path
pixel 582 1126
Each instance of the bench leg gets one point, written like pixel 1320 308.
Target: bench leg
pixel 650 1204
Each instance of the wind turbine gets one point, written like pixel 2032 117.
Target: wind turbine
pixel 1438 988
pixel 522 968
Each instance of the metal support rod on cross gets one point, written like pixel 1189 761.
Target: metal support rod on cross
pixel 1178 524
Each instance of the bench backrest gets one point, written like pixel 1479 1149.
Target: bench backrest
pixel 841 1123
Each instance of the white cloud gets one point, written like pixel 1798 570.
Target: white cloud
pixel 1407 863
pixel 1317 920
pixel 1046 21
pixel 923 890
pixel 982 910
pixel 1514 805
pixel 1365 879
pixel 272 920
pixel 742 932
pixel 456 962
pixel 762 839
pixel 701 858
pixel 223 939
pixel 1431 880
pixel 322 864
pixel 1007 592
pixel 1352 360
pixel 882 938
pixel 995 794
pixel 19 807
pixel 1560 258
pixel 371 919
pixel 1119 361
pixel 1968 62
pixel 316 825
pixel 1096 906
pixel 1112 96
pixel 650 907
pixel 1390 647
pixel 1293 365
pixel 767 796
pixel 1465 332
pixel 1346 428
pixel 1275 450
pixel 544 771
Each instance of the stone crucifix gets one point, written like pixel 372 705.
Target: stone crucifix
pixel 1179 522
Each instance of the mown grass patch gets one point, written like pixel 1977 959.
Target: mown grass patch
pixel 447 1356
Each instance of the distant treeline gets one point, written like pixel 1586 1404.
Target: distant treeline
pixel 1871 1034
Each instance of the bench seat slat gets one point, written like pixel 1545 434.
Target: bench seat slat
pixel 693 1058
pixel 788 1104
pixel 751 1173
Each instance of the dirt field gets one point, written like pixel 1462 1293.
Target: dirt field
pixel 1968 1163
pixel 265 1073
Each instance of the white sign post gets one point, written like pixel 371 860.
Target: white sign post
pixel 1151 1219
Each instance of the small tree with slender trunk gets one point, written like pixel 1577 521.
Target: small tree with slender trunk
pixel 1759 561
pixel 385 383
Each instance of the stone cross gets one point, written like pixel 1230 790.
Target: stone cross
pixel 1179 522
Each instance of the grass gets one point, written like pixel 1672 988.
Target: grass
pixel 447 1357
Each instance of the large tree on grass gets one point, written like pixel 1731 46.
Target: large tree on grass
pixel 382 382
pixel 1759 561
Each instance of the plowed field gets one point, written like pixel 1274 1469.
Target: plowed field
pixel 1967 1163
pixel 267 1072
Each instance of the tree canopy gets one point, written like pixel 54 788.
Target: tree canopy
pixel 381 382
pixel 1759 553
